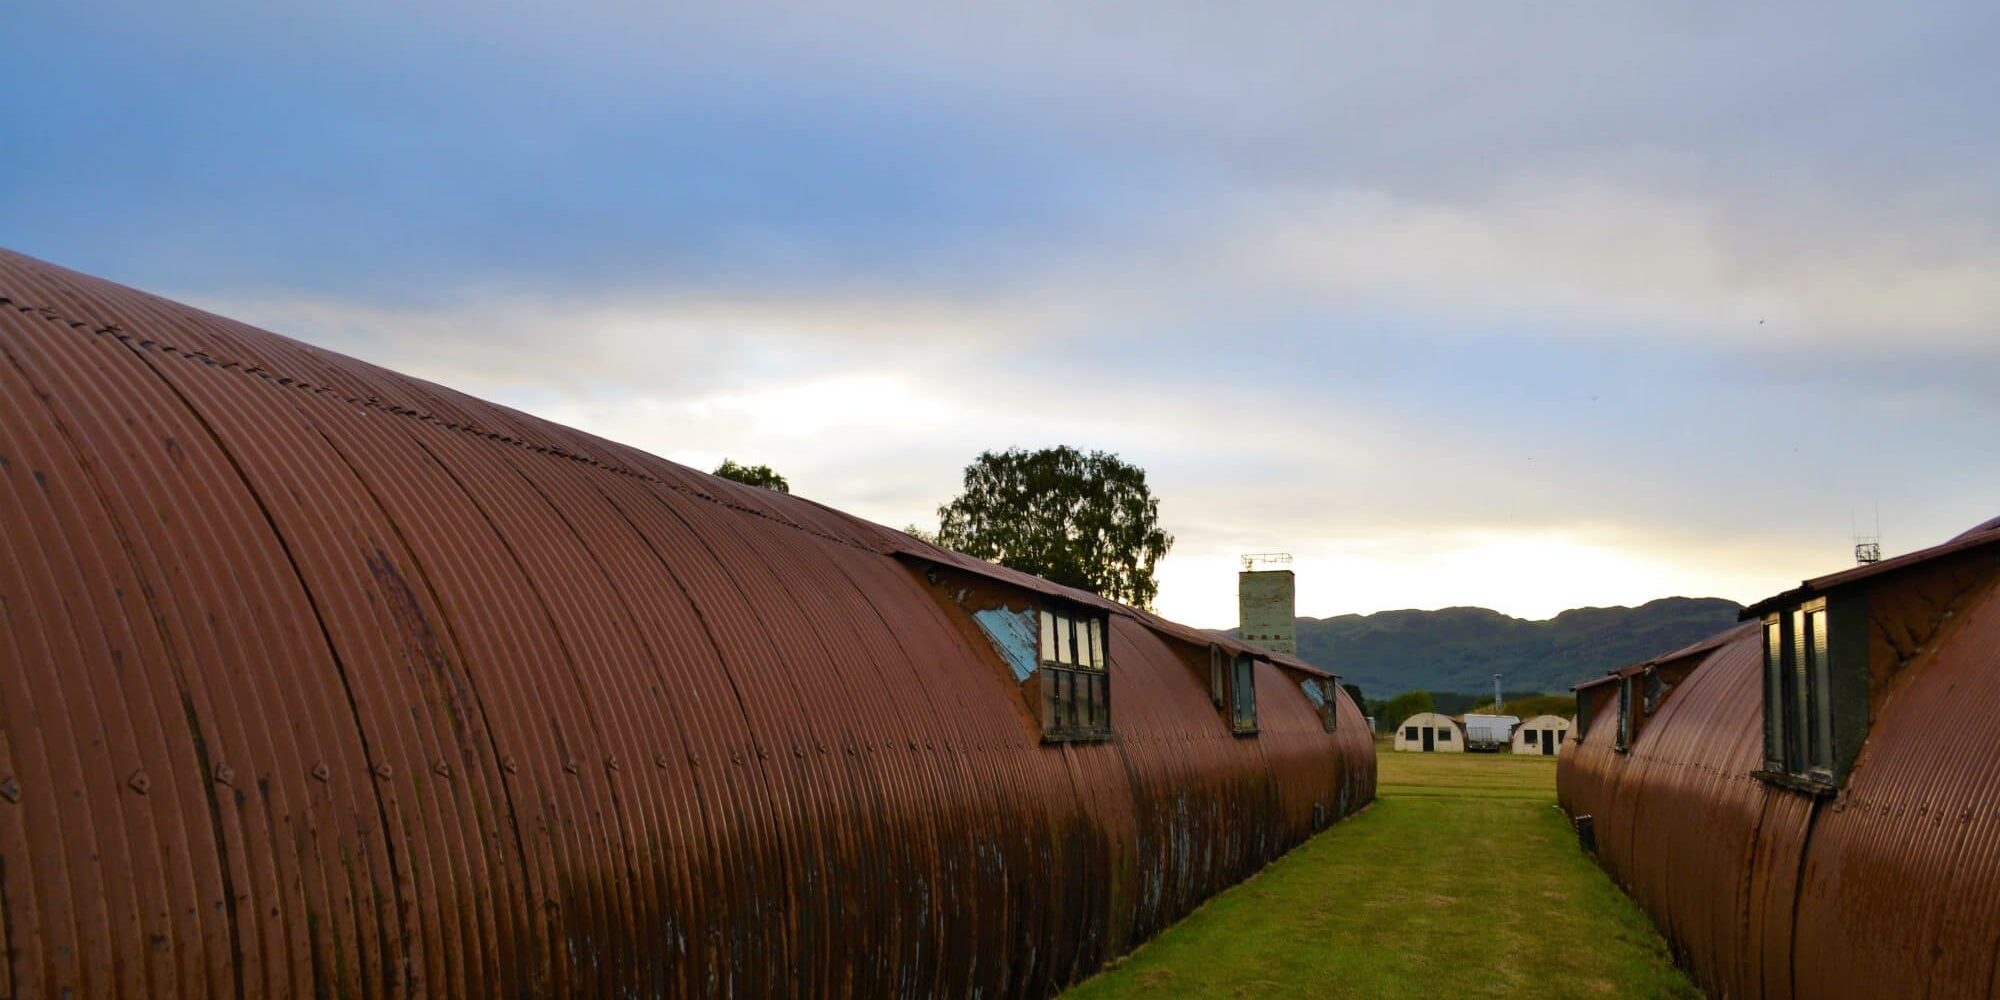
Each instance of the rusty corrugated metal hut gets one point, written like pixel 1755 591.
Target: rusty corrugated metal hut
pixel 1808 804
pixel 322 680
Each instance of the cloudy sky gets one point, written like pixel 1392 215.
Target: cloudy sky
pixel 1523 306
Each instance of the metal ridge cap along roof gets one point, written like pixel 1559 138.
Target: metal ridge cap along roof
pixel 1698 647
pixel 910 547
pixel 1721 638
pixel 435 697
pixel 1985 533
pixel 1596 681
pixel 1990 524
pixel 558 439
pixel 796 512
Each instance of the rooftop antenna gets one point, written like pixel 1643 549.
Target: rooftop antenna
pixel 1255 559
pixel 1868 548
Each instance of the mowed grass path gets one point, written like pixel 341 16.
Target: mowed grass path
pixel 1462 880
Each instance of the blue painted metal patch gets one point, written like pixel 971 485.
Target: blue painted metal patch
pixel 1313 693
pixel 1016 634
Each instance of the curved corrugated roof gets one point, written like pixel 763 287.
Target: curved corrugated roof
pixel 321 678
pixel 1691 650
pixel 1763 890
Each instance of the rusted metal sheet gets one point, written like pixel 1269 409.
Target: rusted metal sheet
pixel 1890 887
pixel 1903 869
pixel 321 680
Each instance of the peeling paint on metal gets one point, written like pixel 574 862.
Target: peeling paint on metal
pixel 1014 633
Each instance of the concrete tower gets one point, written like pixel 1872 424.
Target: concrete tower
pixel 1267 602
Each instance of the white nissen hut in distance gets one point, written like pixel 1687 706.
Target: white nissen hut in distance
pixel 1429 732
pixel 1541 736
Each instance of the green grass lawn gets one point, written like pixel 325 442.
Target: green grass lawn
pixel 1462 880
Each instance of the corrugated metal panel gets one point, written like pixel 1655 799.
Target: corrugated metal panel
pixel 319 679
pixel 1901 884
pixel 1891 888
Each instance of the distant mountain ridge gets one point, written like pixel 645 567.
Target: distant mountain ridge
pixel 1460 649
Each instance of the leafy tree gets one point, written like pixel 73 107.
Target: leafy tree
pixel 1401 707
pixel 1453 702
pixel 1354 692
pixel 1082 520
pixel 753 475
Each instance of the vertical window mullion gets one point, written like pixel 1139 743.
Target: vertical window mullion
pixel 1774 693
pixel 1821 683
pixel 1080 684
pixel 1052 699
pixel 1799 699
pixel 1624 713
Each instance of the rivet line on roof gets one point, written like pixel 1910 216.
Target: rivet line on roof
pixel 370 402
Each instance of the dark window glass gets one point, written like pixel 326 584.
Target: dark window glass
pixel 1243 695
pixel 1076 686
pixel 1798 699
pixel 1077 715
pixel 1625 707
pixel 1774 694
pixel 1218 677
pixel 1820 683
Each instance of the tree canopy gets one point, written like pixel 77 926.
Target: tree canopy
pixel 1084 520
pixel 1401 707
pixel 753 475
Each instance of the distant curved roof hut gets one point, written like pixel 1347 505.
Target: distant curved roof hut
pixel 1541 736
pixel 320 679
pixel 1430 732
pixel 1806 803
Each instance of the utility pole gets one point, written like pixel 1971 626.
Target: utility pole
pixel 1496 694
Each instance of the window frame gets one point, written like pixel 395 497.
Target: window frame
pixel 1773 677
pixel 1802 745
pixel 1622 740
pixel 1243 694
pixel 1218 678
pixel 1324 693
pixel 1073 664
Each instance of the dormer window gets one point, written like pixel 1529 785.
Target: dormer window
pixel 1323 692
pixel 1232 687
pixel 1055 651
pixel 1799 682
pixel 1076 688
pixel 1626 706
pixel 1243 695
pixel 1218 678
pixel 1656 691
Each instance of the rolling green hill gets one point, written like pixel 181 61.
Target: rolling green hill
pixel 1460 649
